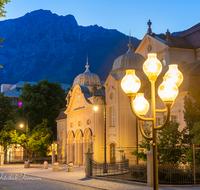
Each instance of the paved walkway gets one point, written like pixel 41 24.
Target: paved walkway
pixel 77 177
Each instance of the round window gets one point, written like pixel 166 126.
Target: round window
pixel 71 124
pixel 111 96
pixel 79 123
pixel 88 122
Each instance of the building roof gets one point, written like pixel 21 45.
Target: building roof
pixel 190 31
pixel 86 92
pixel 129 60
pixel 186 39
pixel 191 74
pixel 62 115
pixel 175 41
pixel 12 93
pixel 87 78
pixel 23 82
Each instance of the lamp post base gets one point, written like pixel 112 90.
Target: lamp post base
pixel 105 170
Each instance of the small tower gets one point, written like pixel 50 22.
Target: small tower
pixel 149 31
pixel 168 41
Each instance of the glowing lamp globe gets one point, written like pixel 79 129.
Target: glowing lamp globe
pixel 174 74
pixel 140 104
pixel 167 91
pixel 152 66
pixel 130 83
pixel 95 108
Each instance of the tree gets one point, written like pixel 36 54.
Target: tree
pixel 144 146
pixel 5 134
pixel 192 119
pixel 2 6
pixel 7 110
pixel 42 101
pixel 39 139
pixel 170 147
pixel 189 151
pixel 169 144
pixel 2 14
pixel 192 106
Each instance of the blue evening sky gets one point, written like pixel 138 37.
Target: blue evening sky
pixel 123 15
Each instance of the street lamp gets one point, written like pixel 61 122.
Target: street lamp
pixel 95 109
pixel 168 91
pixel 26 128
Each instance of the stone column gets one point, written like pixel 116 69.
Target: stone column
pixel 53 153
pixel 88 167
pixel 68 153
pixel 80 150
pixel 76 153
pixel 1 158
pixel 84 150
pixel 71 153
pixel 150 167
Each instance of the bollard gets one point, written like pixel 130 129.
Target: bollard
pixel 150 167
pixel 88 166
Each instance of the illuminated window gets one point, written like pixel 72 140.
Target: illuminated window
pixel 158 121
pixel 164 62
pixel 174 118
pixel 112 116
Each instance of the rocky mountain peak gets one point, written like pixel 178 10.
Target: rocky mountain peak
pixel 42 45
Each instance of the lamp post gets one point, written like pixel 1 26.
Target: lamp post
pixel 26 128
pixel 168 91
pixel 95 109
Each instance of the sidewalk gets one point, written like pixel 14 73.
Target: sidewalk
pixel 78 177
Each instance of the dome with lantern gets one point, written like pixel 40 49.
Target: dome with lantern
pixel 129 60
pixel 87 79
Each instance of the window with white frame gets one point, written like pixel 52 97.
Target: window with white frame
pixel 174 118
pixel 112 116
pixel 158 121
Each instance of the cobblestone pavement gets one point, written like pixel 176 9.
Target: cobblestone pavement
pixel 62 180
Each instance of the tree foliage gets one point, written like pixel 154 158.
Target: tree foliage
pixel 7 110
pixel 2 6
pixel 39 139
pixel 2 14
pixel 189 151
pixel 192 119
pixel 5 134
pixel 192 106
pixel 169 145
pixel 144 146
pixel 42 101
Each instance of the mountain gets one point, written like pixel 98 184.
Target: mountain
pixel 43 45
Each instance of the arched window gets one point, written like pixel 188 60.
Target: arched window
pixel 112 153
pixel 164 63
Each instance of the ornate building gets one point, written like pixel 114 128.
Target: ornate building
pixel 80 127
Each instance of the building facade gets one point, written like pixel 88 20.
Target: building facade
pixel 80 127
